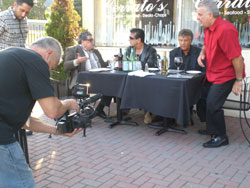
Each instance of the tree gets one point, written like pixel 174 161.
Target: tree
pixel 63 25
pixel 38 10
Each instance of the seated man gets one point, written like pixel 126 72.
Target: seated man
pixel 187 51
pixel 83 57
pixel 143 52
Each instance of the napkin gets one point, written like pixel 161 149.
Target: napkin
pixel 140 73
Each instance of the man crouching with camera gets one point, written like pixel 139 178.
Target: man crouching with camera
pixel 24 79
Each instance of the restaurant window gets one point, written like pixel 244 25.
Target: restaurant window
pixel 162 20
pixel 115 18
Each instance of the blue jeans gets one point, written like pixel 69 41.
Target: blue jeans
pixel 14 171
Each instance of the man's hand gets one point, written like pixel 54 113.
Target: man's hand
pixel 71 104
pixel 200 60
pixel 81 59
pixel 73 133
pixel 237 88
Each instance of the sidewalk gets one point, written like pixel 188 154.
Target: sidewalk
pixel 132 157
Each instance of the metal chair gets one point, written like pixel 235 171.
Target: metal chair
pixel 242 105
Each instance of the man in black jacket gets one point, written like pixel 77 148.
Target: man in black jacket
pixel 187 51
pixel 143 52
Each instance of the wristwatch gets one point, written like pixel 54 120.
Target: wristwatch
pixel 238 80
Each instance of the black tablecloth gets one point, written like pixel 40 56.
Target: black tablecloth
pixel 109 84
pixel 168 97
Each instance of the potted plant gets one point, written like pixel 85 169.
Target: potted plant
pixel 62 25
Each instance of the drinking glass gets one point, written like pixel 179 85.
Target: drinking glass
pixel 111 65
pixel 178 61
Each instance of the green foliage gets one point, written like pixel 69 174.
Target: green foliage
pixel 63 25
pixel 7 3
pixel 37 11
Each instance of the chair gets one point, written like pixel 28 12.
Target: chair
pixel 242 105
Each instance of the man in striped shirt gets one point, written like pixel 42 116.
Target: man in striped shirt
pixel 13 24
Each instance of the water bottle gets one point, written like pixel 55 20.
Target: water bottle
pixel 125 62
pixel 132 59
pixel 146 67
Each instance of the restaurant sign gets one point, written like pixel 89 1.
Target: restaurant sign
pixel 231 7
pixel 154 16
pixel 143 9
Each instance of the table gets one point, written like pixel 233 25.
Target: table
pixel 108 84
pixel 167 97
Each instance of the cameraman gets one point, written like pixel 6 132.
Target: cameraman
pixel 24 79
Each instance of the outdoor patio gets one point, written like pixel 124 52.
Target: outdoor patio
pixel 132 157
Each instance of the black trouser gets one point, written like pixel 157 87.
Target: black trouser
pixel 213 99
pixel 105 101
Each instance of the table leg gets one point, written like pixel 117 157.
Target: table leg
pixel 119 120
pixel 167 128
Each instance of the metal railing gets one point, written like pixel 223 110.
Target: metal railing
pixel 36 30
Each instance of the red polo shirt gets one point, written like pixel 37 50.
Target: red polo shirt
pixel 222 45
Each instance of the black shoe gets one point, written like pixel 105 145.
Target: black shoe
pixel 101 114
pixel 203 132
pixel 216 142
pixel 157 119
pixel 28 133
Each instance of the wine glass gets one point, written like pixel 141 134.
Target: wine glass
pixel 178 61
pixel 111 65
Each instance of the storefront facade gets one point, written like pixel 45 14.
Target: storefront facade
pixel 111 20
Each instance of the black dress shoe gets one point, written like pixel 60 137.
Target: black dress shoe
pixel 203 132
pixel 216 142
pixel 101 114
pixel 157 119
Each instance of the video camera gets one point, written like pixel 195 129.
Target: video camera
pixel 68 122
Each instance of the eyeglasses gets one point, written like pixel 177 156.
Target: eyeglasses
pixel 132 38
pixel 90 40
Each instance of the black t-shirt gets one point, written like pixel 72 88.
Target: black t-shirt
pixel 24 78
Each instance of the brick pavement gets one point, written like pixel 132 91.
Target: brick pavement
pixel 132 157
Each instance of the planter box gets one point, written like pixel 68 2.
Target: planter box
pixel 60 88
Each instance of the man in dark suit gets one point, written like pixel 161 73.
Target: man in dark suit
pixel 84 57
pixel 187 51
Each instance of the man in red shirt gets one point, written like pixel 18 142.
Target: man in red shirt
pixel 224 69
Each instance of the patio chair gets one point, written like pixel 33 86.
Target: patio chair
pixel 242 105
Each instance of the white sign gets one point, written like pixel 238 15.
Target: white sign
pixel 145 7
pixel 228 3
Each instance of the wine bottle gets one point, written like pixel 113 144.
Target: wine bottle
pixel 120 56
pixel 164 63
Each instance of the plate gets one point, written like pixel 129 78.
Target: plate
pixel 193 72
pixel 99 70
pixel 152 69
